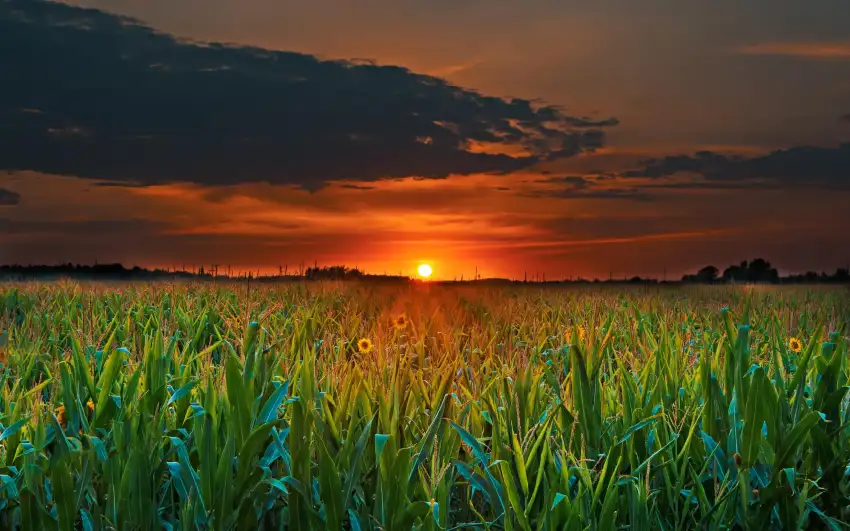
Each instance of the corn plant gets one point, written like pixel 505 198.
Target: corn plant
pixel 354 406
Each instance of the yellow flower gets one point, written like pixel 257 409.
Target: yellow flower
pixel 795 345
pixel 400 321
pixel 61 417
pixel 90 405
pixel 568 336
pixel 364 345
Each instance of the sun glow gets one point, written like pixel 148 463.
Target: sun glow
pixel 424 270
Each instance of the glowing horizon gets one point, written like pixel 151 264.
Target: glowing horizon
pixel 557 139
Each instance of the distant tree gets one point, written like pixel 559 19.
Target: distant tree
pixel 332 273
pixel 760 270
pixel 707 274
pixel 735 273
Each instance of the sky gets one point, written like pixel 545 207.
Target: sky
pixel 558 138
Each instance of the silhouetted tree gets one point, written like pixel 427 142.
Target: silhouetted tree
pixel 760 270
pixel 708 274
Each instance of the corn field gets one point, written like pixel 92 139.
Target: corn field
pixel 312 406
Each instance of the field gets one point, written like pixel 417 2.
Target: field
pixel 353 406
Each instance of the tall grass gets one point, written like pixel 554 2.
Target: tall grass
pixel 153 406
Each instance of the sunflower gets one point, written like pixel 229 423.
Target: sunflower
pixel 795 345
pixel 568 335
pixel 61 416
pixel 400 322
pixel 364 345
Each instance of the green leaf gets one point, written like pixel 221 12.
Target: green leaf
pixel 13 429
pixel 107 379
pixel 356 460
pixel 791 441
pixel 380 442
pixel 270 408
pixel 63 492
pixel 331 488
pixel 428 440
pixel 640 425
pixel 252 450
pixel 237 398
pixel 182 392
pixel 413 512
pixel 755 417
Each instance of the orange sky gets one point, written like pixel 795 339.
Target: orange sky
pixel 738 80
pixel 455 225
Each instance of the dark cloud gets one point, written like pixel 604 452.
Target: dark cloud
pixel 94 95
pixel 804 166
pixel 576 181
pixel 356 186
pixel 634 194
pixel 576 186
pixel 593 228
pixel 84 228
pixel 9 198
pixel 586 122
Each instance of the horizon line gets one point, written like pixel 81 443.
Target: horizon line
pixel 200 271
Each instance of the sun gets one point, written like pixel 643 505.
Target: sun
pixel 424 270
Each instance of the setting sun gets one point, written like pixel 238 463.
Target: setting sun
pixel 425 270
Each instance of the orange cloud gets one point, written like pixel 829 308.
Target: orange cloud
pixel 807 50
pixel 451 70
pixel 455 224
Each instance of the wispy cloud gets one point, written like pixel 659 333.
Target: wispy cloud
pixel 451 70
pixel 9 198
pixel 793 168
pixel 803 50
pixel 581 187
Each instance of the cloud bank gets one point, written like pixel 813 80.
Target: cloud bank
pixel 95 95
pixel 796 167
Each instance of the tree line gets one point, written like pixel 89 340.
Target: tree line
pixel 762 272
pixel 755 271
